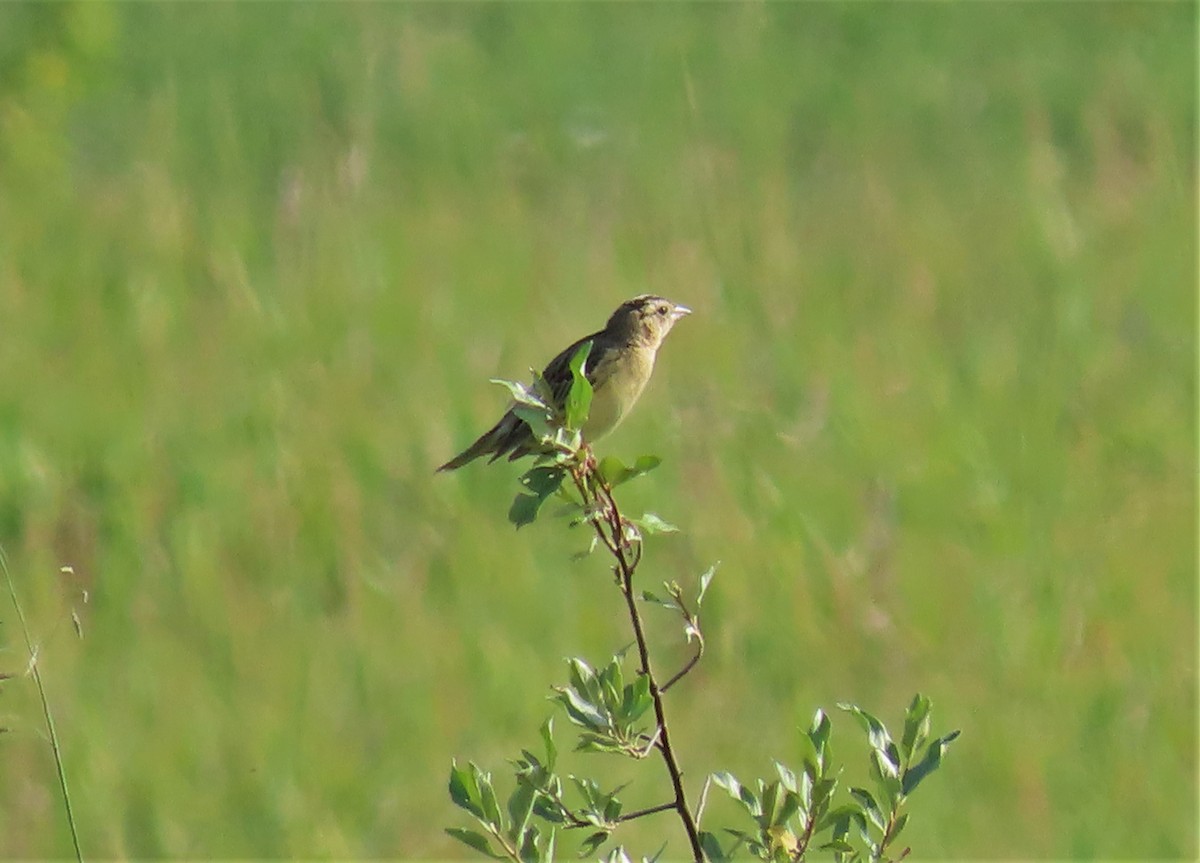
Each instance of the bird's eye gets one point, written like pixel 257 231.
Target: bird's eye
pixel 664 309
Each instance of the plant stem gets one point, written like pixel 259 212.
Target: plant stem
pixel 664 740
pixel 46 713
pixel 617 544
pixel 679 675
pixel 649 810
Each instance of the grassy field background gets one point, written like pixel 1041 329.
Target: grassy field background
pixel 935 411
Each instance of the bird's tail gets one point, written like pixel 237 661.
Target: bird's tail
pixel 495 441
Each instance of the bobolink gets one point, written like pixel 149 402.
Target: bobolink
pixel 618 367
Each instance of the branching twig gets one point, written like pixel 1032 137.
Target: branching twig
pixel 613 530
pixel 693 630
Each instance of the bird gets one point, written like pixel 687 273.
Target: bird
pixel 618 367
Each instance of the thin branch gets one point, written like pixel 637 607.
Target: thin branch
pixel 691 663
pixel 574 822
pixel 649 810
pixel 664 743
pixel 627 555
pixel 513 853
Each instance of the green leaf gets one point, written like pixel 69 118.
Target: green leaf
pixel 651 523
pixel 850 816
pixel 588 790
pixel 611 673
pixel 520 807
pixel 805 790
pixel 475 840
pixel 522 394
pixel 593 842
pixel 591 741
pixel 539 420
pixel 840 845
pixel 565 439
pixel 712 848
pixel 613 700
pixel 464 788
pixel 529 850
pixel 863 829
pixel 618 855
pixel 928 764
pixel 877 734
pixel 530 770
pixel 750 801
pixel 612 810
pixel 818 734
pixel 887 778
pixel 583 713
pixel 487 797
pixel 543 481
pixel 882 768
pixel 579 399
pixel 614 471
pixel 869 807
pixel 891 754
pixel 770 797
pixel 612 686
pixel 916 726
pixel 581 675
pixel 787 777
pixel 637 700
pixel 540 389
pixel 705 580
pixel 743 838
pixel 727 781
pixel 841 814
pixel 897 827
pixel 547 731
pixel 810 759
pixel 645 464
pixel 788 808
pixel 524 509
pixel 611 470
pixel 822 790
pixel 544 809
pixel 647 596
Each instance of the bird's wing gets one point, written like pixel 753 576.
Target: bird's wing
pixel 558 371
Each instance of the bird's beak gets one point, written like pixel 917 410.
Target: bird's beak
pixel 679 312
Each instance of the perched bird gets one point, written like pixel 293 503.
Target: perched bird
pixel 618 367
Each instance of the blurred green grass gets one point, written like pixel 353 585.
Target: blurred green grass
pixel 935 411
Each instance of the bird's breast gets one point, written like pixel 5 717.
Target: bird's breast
pixel 613 399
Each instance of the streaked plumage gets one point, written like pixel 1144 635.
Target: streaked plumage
pixel 618 367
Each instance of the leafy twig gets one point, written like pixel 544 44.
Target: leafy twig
pixel 623 541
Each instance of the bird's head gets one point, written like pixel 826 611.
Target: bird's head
pixel 646 319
